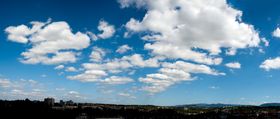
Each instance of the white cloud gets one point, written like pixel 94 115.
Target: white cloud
pixel 178 27
pixel 114 80
pixel 34 90
pixel 107 30
pixel 98 77
pixel 89 76
pixel 137 60
pixel 231 52
pixel 174 52
pixel 271 64
pixel 5 83
pixel 265 41
pixel 122 49
pixel 134 25
pixel 127 3
pixel 97 54
pixel 71 69
pixel 73 94
pixel 20 33
pixel 59 67
pixel 20 89
pixel 95 72
pixel 233 65
pixel 276 33
pixel 191 68
pixel 127 95
pixel 186 30
pixel 57 58
pixel 172 73
pixel 52 42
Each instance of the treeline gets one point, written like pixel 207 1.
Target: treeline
pixel 26 109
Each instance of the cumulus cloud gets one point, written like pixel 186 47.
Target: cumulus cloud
pixel 96 72
pixel 20 33
pixel 172 73
pixel 233 65
pixel 122 49
pixel 127 3
pixel 52 42
pixel 71 69
pixel 184 26
pixel 117 80
pixel 191 68
pixel 89 76
pixel 97 54
pixel 174 52
pixel 276 33
pixel 183 38
pixel 137 60
pixel 57 58
pixel 196 31
pixel 271 64
pixel 107 31
pixel 98 77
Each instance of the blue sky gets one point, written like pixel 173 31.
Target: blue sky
pixel 141 52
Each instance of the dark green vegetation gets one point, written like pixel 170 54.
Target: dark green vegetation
pixel 26 109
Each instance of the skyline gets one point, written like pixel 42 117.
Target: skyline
pixel 161 52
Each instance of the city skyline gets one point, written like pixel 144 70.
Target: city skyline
pixel 160 52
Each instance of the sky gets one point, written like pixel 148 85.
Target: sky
pixel 160 52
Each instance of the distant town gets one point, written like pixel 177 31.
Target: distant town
pixel 50 109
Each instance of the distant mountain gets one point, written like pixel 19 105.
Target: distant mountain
pixel 203 105
pixel 270 105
